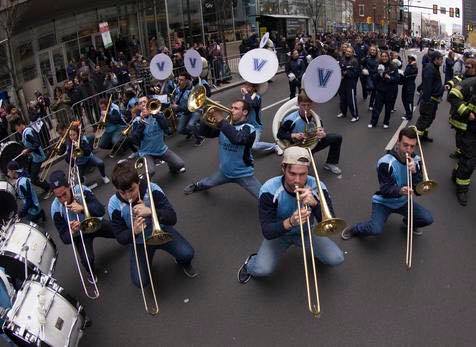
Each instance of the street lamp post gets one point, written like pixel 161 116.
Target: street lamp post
pixel 373 22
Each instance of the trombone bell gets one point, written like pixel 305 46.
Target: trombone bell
pixel 330 227
pixel 90 225
pixel 426 187
pixel 153 106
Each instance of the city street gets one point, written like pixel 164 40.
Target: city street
pixel 371 299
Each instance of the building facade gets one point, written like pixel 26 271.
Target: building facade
pixel 375 15
pixel 469 16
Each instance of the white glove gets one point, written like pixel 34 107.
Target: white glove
pixel 365 72
pixel 380 69
pixel 308 58
pixel 291 77
pixel 400 71
pixel 397 62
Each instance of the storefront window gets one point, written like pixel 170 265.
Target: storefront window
pixel 25 61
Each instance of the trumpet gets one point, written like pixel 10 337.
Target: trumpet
pixel 158 236
pixel 198 100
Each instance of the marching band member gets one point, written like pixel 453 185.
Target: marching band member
pixel 115 123
pixel 370 66
pixel 392 195
pixel 294 70
pixel 292 130
pixel 463 115
pixel 432 91
pixel 88 159
pixel 148 133
pixel 385 84
pixel 348 86
pixel 408 89
pixel 186 120
pixel 31 206
pixel 33 147
pixel 71 196
pixel 131 189
pixel 253 98
pixel 234 151
pixel 279 217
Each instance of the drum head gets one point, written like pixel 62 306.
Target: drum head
pixel 8 200
pixel 9 151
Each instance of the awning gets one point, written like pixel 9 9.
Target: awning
pixel 290 16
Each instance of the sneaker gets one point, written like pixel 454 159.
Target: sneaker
pixel 47 195
pixel 243 275
pixel 462 198
pixel 91 279
pixel 332 168
pixel 199 142
pixel 340 115
pixel 189 270
pixel 371 108
pixel 188 136
pixel 106 180
pixel 404 118
pixel 354 119
pixel 182 170
pixel 370 126
pixel 278 150
pixel 347 233
pixel 132 156
pixel 191 188
pixel 416 231
pixel 393 111
pixel 385 126
pixel 159 162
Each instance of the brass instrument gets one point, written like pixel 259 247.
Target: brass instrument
pixel 90 224
pixel 171 117
pixel 426 185
pixel 408 255
pixel 153 106
pixel 198 100
pixel 155 310
pixel 101 128
pixel 56 150
pixel 95 293
pixel 158 236
pixel 314 308
pixel 310 133
pixel 329 225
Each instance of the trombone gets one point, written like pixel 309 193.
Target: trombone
pixel 426 185
pixel 95 293
pixel 55 151
pixel 89 224
pixel 198 100
pixel 158 236
pixel 328 225
pixel 408 255
pixel 101 129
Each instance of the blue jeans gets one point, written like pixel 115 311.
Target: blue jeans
pixel 179 248
pixel 187 121
pixel 271 251
pixel 262 146
pixel 380 213
pixel 250 183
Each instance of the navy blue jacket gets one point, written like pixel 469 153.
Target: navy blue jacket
pixel 350 72
pixel 388 85
pixel 432 87
pixel 297 67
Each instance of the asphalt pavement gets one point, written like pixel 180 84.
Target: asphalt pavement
pixel 371 299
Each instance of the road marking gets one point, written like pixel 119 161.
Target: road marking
pixel 394 138
pixel 272 105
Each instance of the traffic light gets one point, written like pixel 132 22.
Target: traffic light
pixel 457 12
pixel 469 27
pixel 452 12
pixel 435 9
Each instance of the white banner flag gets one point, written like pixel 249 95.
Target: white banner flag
pixel 106 34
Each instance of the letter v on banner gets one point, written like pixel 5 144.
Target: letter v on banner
pixel 259 63
pixel 324 76
pixel 161 65
pixel 193 62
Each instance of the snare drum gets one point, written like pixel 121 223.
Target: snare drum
pixel 8 200
pixel 40 250
pixel 10 150
pixel 42 314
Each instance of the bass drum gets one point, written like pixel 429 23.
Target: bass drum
pixel 22 239
pixel 43 315
pixel 10 150
pixel 286 109
pixel 8 200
